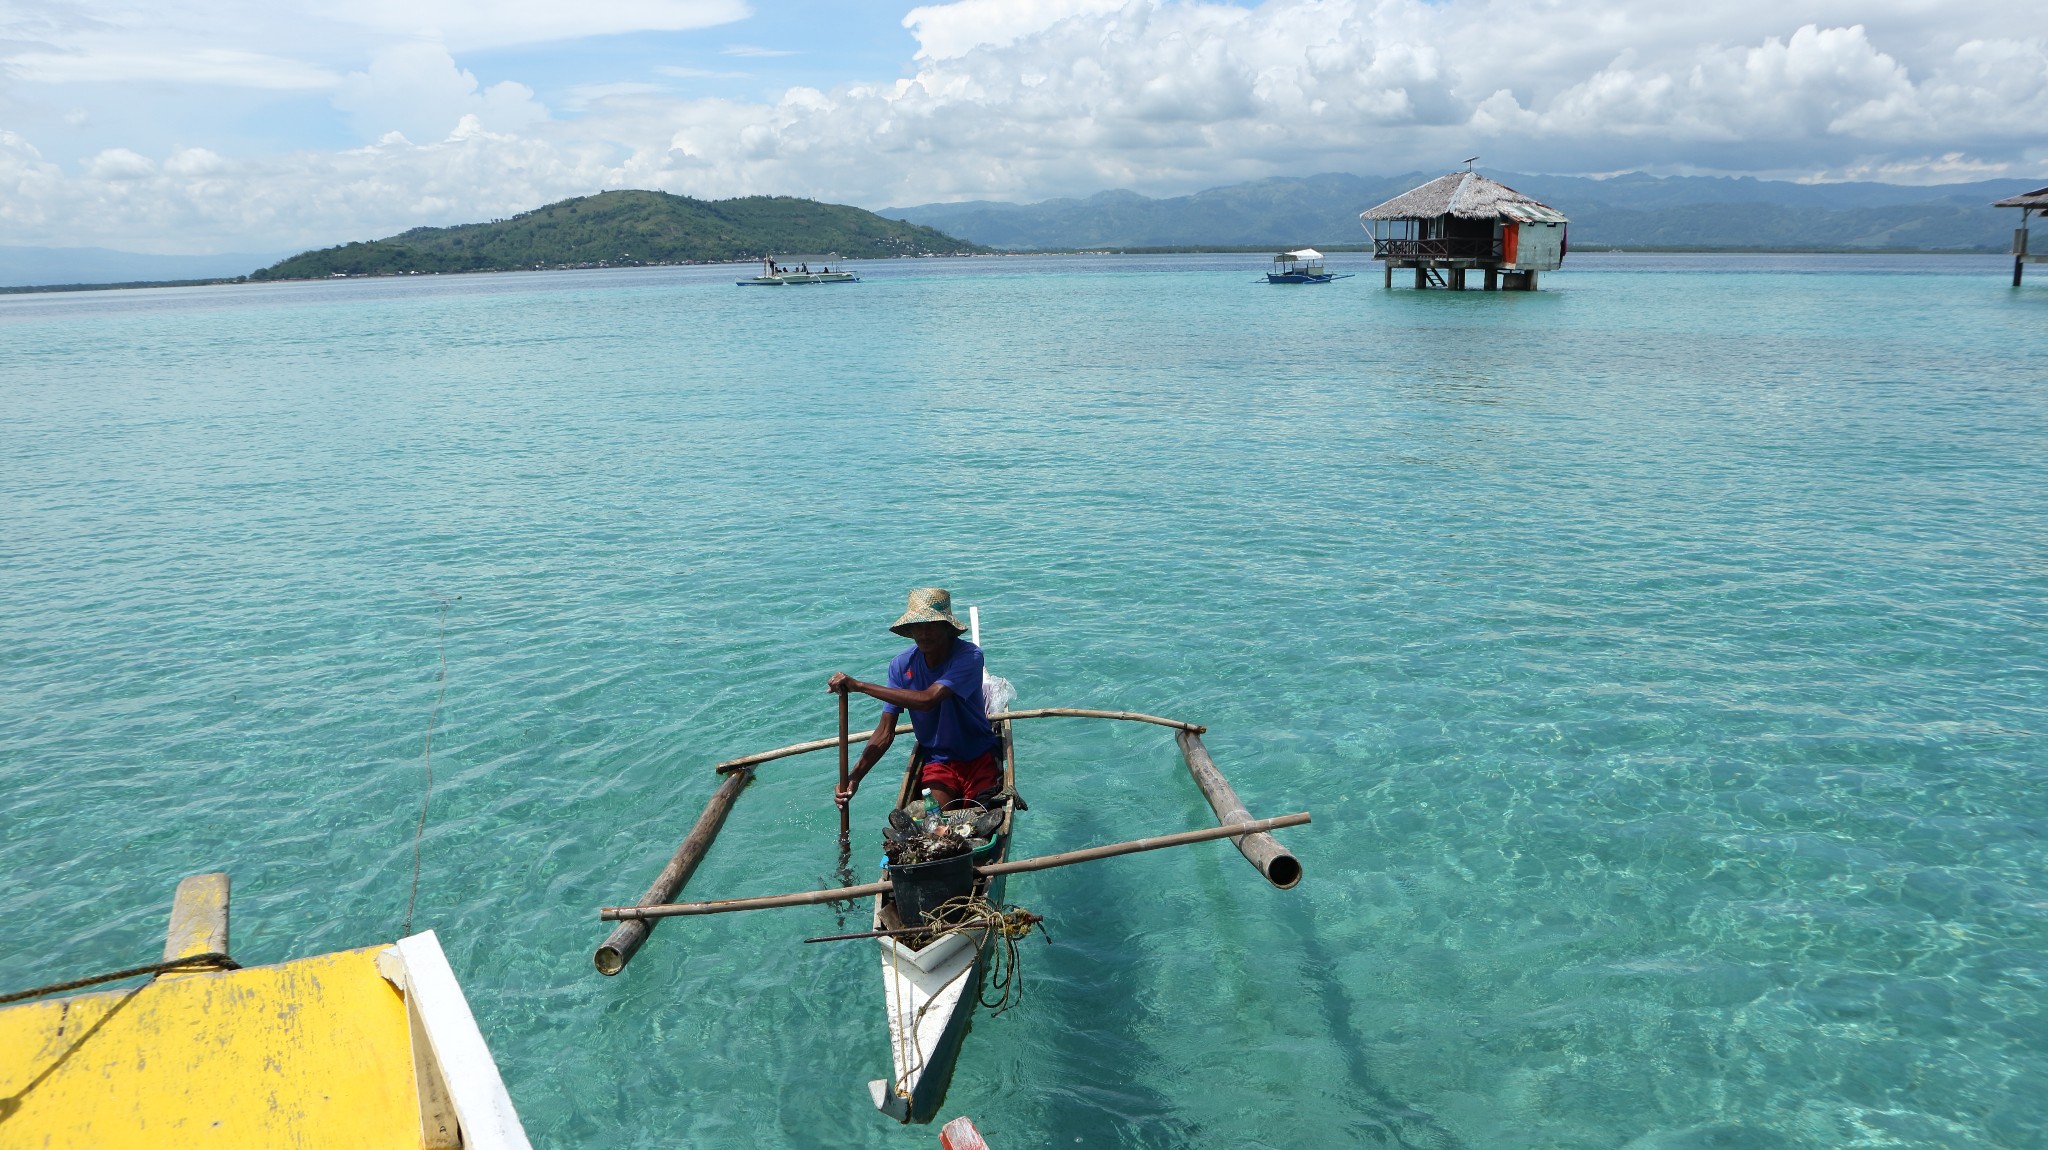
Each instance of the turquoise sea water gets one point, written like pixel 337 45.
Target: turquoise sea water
pixel 1661 656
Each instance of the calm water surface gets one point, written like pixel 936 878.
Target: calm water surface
pixel 1661 656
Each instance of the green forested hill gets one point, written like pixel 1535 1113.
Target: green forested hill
pixel 626 228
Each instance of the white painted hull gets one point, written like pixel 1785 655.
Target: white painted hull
pixel 930 996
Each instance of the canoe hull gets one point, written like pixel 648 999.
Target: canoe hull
pixel 930 995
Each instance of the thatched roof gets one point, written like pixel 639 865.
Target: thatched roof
pixel 1467 195
pixel 2038 198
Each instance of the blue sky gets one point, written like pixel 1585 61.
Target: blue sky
pixel 210 125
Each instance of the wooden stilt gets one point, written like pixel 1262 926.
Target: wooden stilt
pixel 2019 247
pixel 1263 851
pixel 1492 280
pixel 1390 275
pixel 625 941
pixel 1457 279
pixel 1421 276
pixel 1529 281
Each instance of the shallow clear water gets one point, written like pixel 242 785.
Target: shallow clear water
pixel 1661 656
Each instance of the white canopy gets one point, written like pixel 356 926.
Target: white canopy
pixel 1300 254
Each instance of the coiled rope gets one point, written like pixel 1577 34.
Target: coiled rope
pixel 211 960
pixel 1005 969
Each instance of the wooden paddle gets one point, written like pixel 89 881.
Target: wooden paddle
pixel 845 809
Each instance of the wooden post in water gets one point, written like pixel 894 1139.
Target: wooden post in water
pixel 625 941
pixel 2019 247
pixel 1263 851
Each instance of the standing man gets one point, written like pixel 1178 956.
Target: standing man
pixel 939 682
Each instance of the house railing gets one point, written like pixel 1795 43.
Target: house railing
pixel 1452 249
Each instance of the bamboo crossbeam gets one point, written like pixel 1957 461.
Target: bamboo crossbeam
pixel 730 765
pixel 618 950
pixel 1156 842
pixel 1087 713
pixel 1263 851
pixel 764 902
pixel 1042 862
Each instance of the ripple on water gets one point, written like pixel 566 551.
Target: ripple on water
pixel 1660 655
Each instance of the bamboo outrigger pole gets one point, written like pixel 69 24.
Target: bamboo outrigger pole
pixel 625 941
pixel 1263 851
pixel 1043 862
pixel 754 760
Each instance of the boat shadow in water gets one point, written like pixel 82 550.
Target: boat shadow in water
pixel 1087 1010
pixel 1382 1117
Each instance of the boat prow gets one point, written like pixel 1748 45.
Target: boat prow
pixel 928 997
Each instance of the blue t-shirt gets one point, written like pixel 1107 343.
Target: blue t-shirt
pixel 957 729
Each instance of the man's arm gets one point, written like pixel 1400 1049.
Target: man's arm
pixel 878 745
pixel 923 700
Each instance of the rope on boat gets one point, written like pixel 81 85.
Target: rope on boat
pixel 212 960
pixel 969 913
pixel 1005 969
pixel 419 833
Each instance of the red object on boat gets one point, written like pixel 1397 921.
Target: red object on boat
pixel 960 1134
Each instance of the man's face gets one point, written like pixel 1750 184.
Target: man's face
pixel 932 639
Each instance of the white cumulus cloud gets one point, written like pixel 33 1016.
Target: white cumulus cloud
pixel 417 90
pixel 1034 98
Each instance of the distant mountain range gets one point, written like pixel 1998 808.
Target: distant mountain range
pixel 1633 210
pixel 628 228
pixel 25 266
pixel 636 227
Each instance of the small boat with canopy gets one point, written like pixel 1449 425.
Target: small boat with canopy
pixel 1301 266
pixel 793 271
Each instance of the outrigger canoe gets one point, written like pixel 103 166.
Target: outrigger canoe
pixel 932 980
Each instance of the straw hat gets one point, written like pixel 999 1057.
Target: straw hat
pixel 929 605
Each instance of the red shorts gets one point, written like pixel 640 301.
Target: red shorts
pixel 966 779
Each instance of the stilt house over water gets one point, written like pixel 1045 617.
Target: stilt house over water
pixel 2028 203
pixel 1456 223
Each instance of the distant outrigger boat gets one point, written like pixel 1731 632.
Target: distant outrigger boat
pixel 774 274
pixel 1301 266
pixel 932 978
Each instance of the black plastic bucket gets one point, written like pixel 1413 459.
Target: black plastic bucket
pixel 922 888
